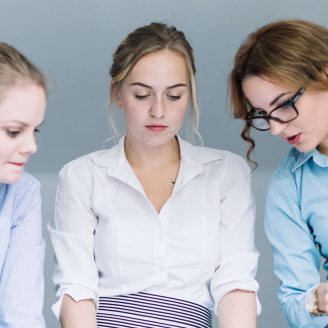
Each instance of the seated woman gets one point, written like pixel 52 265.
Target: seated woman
pixel 280 83
pixel 22 107
pixel 147 233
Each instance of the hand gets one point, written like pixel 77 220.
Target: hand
pixel 322 297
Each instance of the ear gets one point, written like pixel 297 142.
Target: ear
pixel 115 94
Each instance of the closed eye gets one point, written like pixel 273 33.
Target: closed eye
pixel 12 133
pixel 257 113
pixel 173 98
pixel 287 104
pixel 142 97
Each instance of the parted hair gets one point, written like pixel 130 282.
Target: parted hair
pixel 16 69
pixel 292 53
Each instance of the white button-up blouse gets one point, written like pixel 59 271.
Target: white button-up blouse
pixel 109 240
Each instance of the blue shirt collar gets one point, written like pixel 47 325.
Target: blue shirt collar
pixel 319 158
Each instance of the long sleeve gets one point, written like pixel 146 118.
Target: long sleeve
pixel 72 236
pixel 296 257
pixel 238 265
pixel 22 282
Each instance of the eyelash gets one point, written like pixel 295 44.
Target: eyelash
pixel 144 97
pixel 15 133
pixel 12 133
pixel 141 97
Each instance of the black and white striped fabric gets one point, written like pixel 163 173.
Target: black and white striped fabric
pixel 151 311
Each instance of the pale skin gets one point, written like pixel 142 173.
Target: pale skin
pixel 322 294
pixel 21 114
pixel 237 309
pixel 154 98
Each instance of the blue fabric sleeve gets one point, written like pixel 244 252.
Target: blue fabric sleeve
pixel 22 282
pixel 296 257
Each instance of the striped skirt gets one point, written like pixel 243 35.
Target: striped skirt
pixel 151 311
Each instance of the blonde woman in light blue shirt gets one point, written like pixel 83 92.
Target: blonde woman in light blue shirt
pixel 22 107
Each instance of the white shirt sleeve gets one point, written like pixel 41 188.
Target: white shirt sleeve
pixel 238 265
pixel 72 236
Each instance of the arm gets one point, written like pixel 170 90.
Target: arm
pixel 22 282
pixel 296 257
pixel 233 285
pixel 236 307
pixel 80 314
pixel 72 237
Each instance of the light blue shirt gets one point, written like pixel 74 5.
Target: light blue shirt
pixel 21 255
pixel 296 223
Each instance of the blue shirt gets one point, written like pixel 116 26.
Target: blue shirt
pixel 296 223
pixel 21 255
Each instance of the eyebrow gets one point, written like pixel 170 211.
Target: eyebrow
pixel 169 87
pixel 277 98
pixel 22 123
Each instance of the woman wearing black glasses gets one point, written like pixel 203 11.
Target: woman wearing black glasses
pixel 280 83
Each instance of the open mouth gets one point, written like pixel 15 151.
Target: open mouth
pixel 293 140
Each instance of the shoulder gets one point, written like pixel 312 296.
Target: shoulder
pixel 27 181
pixel 91 161
pixel 287 164
pixel 227 161
pixel 284 174
pixel 222 166
pixel 27 184
pixel 24 194
pixel 84 170
pixel 213 156
pixel 283 187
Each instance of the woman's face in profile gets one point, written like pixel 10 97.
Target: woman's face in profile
pixel 309 129
pixel 21 113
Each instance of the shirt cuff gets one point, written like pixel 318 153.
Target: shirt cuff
pixel 238 286
pixel 77 294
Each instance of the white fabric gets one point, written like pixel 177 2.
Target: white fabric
pixel 109 240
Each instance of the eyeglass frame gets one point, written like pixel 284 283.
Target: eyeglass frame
pixel 290 102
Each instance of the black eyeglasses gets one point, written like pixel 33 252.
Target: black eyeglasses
pixel 284 113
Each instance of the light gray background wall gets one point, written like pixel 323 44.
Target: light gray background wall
pixel 72 41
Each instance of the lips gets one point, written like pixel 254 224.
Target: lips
pixel 295 139
pixel 156 127
pixel 19 164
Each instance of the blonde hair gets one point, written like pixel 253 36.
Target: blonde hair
pixel 293 53
pixel 16 69
pixel 148 39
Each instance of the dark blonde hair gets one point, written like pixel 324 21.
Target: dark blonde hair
pixel 149 39
pixel 16 69
pixel 293 53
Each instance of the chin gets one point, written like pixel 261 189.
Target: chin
pixel 303 148
pixel 10 178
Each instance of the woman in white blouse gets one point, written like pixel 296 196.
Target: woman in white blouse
pixel 155 232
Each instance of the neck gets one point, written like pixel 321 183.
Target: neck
pixel 323 149
pixel 152 156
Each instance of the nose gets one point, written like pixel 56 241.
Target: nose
pixel 276 127
pixel 157 109
pixel 29 146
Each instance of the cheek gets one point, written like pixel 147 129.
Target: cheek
pixel 5 153
pixel 132 115
pixel 181 111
